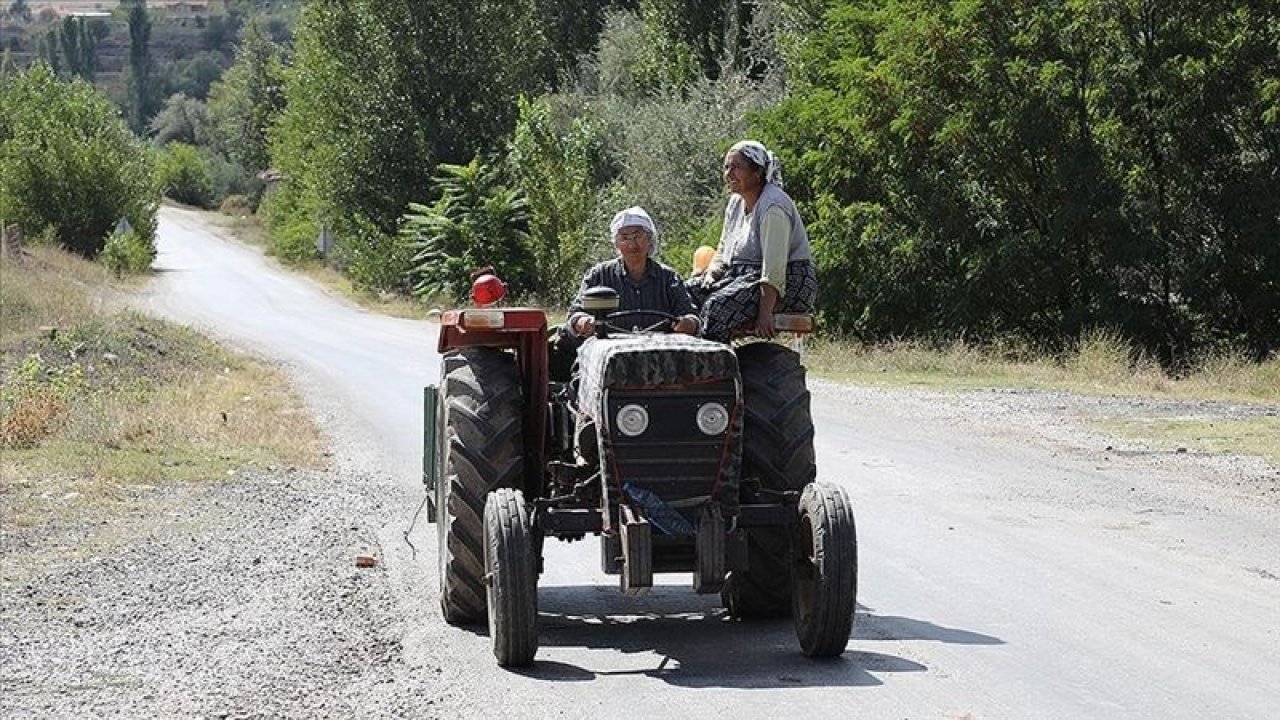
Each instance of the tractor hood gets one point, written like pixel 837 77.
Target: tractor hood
pixel 649 361
pixel 681 441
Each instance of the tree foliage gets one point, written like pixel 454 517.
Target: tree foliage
pixel 989 166
pixel 184 175
pixel 68 163
pixel 555 156
pixel 380 91
pixel 245 102
pixel 141 95
pixel 79 46
pixel 478 221
pixel 182 119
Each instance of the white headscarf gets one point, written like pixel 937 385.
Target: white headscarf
pixel 635 216
pixel 757 153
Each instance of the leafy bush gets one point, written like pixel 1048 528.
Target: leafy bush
pixel 236 205
pixel 68 162
pixel 228 177
pixel 126 253
pixel 182 119
pixel 291 216
pixel 184 175
pixel 554 155
pixel 372 259
pixel 477 222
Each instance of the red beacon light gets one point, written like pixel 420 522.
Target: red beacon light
pixel 487 289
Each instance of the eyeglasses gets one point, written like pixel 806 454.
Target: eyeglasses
pixel 637 236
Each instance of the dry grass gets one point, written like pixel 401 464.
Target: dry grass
pixel 1101 363
pixel 95 400
pixel 1248 436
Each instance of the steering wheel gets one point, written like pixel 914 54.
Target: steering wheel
pixel 666 324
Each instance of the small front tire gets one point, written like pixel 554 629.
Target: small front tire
pixel 824 576
pixel 511 572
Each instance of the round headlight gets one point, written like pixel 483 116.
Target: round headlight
pixel 632 420
pixel 713 418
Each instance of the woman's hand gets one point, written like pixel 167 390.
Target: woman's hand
pixel 764 316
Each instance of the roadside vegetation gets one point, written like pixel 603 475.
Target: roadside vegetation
pixel 100 406
pixel 1100 363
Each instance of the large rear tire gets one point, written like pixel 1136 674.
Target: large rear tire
pixel 510 563
pixel 778 451
pixel 825 573
pixel 481 449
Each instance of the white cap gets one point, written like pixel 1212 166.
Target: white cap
pixel 635 216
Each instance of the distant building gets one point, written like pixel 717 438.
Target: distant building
pixel 182 9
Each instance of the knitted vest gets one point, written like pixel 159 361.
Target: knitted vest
pixel 750 251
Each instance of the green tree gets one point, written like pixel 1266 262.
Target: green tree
pixel 195 75
pixel 182 119
pixel 72 29
pixel 78 48
pixel 477 222
pixel 50 50
pixel 555 157
pixel 184 175
pixel 245 102
pixel 68 163
pixel 141 96
pixel 988 166
pixel 380 91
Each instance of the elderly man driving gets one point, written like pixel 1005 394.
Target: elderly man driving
pixel 642 283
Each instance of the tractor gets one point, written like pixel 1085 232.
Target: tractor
pixel 682 455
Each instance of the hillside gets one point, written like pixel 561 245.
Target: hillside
pixel 191 42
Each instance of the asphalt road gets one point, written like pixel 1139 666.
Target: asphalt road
pixel 1013 565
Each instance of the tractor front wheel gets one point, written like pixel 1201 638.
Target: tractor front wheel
pixel 824 575
pixel 511 570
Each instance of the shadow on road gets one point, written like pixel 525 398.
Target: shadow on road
pixel 698 646
pixel 870 626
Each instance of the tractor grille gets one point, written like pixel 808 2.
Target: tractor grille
pixel 672 456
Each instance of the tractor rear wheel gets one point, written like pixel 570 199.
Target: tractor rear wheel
pixel 824 575
pixel 482 449
pixel 511 567
pixel 777 443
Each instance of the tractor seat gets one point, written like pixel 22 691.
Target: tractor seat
pixel 794 323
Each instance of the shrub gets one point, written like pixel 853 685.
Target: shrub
pixel 228 177
pixel 68 162
pixel 477 222
pixel 127 253
pixel 372 259
pixel 184 175
pixel 291 218
pixel 236 205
